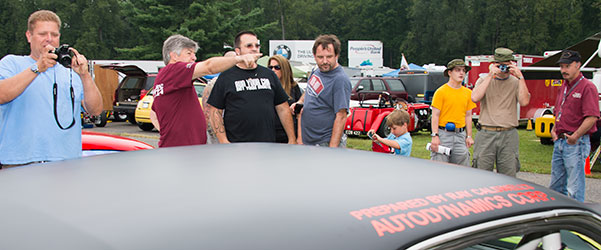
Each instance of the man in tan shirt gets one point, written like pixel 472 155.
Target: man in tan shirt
pixel 499 93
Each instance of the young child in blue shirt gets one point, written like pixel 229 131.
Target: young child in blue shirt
pixel 399 138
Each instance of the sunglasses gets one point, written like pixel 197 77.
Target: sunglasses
pixel 277 67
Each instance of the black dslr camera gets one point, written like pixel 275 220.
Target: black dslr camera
pixel 504 68
pixel 64 55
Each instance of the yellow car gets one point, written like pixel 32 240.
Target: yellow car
pixel 144 106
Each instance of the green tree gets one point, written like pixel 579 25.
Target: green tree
pixel 152 22
pixel 439 31
pixel 100 30
pixel 211 23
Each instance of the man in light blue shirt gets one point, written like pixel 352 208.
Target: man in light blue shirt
pixel 40 99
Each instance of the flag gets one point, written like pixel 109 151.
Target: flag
pixel 404 64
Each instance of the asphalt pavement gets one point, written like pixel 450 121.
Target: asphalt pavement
pixel 125 129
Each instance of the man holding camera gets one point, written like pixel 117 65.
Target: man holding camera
pixel 40 99
pixel 576 112
pixel 499 92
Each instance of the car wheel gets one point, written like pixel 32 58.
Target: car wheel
pixel 132 119
pixel 383 130
pixel 100 120
pixel 146 126
pixel 546 141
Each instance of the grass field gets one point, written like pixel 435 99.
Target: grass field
pixel 534 157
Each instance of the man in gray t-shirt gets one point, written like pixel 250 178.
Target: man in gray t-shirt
pixel 326 99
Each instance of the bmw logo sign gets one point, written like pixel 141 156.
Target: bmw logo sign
pixel 283 50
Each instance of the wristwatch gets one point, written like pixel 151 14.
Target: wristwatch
pixel 34 68
pixel 434 134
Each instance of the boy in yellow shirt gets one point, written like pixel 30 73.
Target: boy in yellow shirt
pixel 452 116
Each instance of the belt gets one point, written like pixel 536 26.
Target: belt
pixel 564 135
pixel 489 128
pixel 458 130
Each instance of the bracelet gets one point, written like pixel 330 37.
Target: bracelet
pixel 469 136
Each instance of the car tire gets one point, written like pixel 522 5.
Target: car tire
pixel 132 119
pixel 100 121
pixel 383 130
pixel 145 126
pixel 546 141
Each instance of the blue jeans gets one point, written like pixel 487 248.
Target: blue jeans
pixel 567 167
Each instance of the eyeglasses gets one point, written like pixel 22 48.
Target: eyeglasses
pixel 276 67
pixel 256 45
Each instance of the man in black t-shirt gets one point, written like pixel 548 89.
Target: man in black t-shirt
pixel 248 96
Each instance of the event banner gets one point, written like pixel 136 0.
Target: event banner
pixel 293 50
pixel 365 53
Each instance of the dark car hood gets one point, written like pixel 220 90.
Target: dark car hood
pixel 246 196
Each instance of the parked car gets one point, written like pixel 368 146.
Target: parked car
pixel 365 117
pixel 241 196
pixel 371 88
pixel 145 105
pixel 131 89
pixel 94 143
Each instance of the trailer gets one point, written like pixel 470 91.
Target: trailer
pixel 543 87
pixel 590 51
pixel 542 76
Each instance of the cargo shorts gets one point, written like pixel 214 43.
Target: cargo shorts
pixel 500 148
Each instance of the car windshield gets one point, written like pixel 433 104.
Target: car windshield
pixel 149 82
pixel 567 239
pixel 131 82
pixel 395 85
pixel 199 89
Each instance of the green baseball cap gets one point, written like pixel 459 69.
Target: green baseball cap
pixel 503 55
pixel 455 63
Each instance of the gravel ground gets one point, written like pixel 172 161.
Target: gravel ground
pixel 593 186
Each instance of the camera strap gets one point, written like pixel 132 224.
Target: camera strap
pixel 55 97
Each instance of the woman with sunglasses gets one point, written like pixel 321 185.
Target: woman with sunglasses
pixel 281 67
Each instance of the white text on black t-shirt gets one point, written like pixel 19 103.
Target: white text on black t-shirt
pixel 252 84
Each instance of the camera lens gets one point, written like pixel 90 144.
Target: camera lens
pixel 504 68
pixel 65 60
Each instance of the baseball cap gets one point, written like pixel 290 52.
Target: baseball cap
pixel 569 56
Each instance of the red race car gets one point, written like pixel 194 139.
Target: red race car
pixel 94 143
pixel 370 116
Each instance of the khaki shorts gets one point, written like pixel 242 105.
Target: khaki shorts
pixel 500 148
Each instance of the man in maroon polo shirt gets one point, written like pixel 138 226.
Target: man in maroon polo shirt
pixel 176 112
pixel 576 112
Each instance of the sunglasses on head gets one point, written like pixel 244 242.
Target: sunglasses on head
pixel 277 67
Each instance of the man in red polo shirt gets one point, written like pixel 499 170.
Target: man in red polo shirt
pixel 176 112
pixel 576 112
